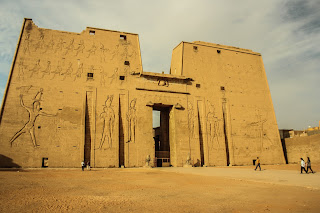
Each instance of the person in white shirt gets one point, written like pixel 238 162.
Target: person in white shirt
pixel 82 165
pixel 303 165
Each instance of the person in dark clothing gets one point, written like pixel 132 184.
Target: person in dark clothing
pixel 258 164
pixel 309 165
pixel 82 165
pixel 303 165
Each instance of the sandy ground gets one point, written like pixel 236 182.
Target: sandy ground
pixel 221 189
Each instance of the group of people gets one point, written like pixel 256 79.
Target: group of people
pixel 303 166
pixel 83 165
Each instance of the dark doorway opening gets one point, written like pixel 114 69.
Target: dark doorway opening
pixel 161 134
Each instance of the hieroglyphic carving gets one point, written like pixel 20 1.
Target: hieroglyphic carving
pixel 92 50
pixel 49 46
pixel 59 45
pixel 132 120
pixel 35 69
pixel 108 117
pixel 21 68
pixel 103 50
pixel 191 124
pixel 80 48
pixel 79 71
pixel 213 126
pixel 70 47
pixel 27 42
pixel 265 141
pixel 47 71
pixel 103 75
pixel 57 71
pixel 114 76
pixel 39 44
pixel 34 112
pixel 68 72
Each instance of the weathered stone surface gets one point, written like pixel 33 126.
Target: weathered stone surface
pixel 84 96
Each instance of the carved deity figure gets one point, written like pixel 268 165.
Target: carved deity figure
pixel 34 112
pixel 47 70
pixel 80 48
pixel 213 126
pixel 108 117
pixel 132 120
pixel 70 47
pixel 27 42
pixel 79 71
pixel 35 69
pixel 57 71
pixel 68 72
pixel 92 50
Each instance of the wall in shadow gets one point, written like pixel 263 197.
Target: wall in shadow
pixel 6 162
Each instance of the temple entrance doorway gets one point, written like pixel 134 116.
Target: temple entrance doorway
pixel 161 135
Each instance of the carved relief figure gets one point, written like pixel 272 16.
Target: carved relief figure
pixel 70 47
pixel 27 42
pixel 92 50
pixel 35 69
pixel 68 72
pixel 103 50
pixel 79 71
pixel 265 142
pixel 103 75
pixel 132 120
pixel 57 71
pixel 108 117
pixel 39 44
pixel 21 68
pixel 59 45
pixel 34 112
pixel 191 120
pixel 114 76
pixel 162 82
pixel 80 48
pixel 213 126
pixel 49 46
pixel 47 70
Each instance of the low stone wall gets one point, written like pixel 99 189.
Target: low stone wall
pixel 308 146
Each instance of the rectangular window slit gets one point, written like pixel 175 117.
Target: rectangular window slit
pixel 126 63
pixel 90 75
pixel 123 37
pixel 222 88
pixel 122 77
pixel 198 85
pixel 92 32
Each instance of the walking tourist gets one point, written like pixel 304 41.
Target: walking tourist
pixel 82 165
pixel 303 165
pixel 309 165
pixel 258 164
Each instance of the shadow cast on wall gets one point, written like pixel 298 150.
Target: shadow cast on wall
pixel 6 162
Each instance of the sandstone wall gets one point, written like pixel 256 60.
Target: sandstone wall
pixel 304 147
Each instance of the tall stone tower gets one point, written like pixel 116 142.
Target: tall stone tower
pixel 75 97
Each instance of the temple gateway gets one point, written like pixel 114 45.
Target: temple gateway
pixel 74 97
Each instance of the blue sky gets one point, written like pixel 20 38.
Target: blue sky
pixel 285 32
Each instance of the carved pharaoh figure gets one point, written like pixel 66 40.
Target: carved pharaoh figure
pixel 108 117
pixel 213 126
pixel 132 119
pixel 34 112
